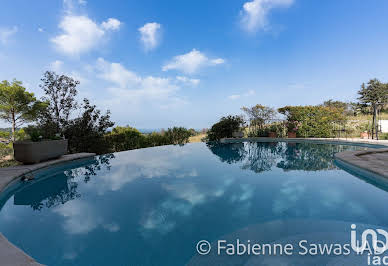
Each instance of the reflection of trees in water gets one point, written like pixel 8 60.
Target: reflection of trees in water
pixel 61 188
pixel 310 157
pixel 92 168
pixel 262 156
pixel 68 193
pixel 228 153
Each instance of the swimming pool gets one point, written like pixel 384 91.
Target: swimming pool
pixel 152 206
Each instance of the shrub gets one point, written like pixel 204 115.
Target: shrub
pixel 178 135
pixel 312 121
pixel 125 138
pixel 87 132
pixel 225 127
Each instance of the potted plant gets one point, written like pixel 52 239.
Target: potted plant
pixel 38 149
pixel 273 131
pixel 292 127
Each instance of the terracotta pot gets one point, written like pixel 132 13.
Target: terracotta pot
pixel 272 134
pixel 292 134
pixel 364 135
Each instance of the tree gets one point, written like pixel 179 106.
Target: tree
pixel 259 115
pixel 225 127
pixel 86 133
pixel 18 106
pixel 375 95
pixel 60 92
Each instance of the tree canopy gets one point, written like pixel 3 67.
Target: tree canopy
pixel 18 106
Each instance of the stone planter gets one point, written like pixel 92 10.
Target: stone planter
pixel 292 134
pixel 29 152
pixel 238 134
pixel 272 135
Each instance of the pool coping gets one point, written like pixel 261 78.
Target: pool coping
pixel 10 254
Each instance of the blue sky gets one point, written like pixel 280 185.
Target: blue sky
pixel 157 64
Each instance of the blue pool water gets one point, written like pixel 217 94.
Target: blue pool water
pixel 152 206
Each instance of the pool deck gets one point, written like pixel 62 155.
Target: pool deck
pixel 10 255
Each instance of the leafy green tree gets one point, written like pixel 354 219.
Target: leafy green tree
pixel 375 95
pixel 86 133
pixel 259 115
pixel 312 121
pixel 178 135
pixel 18 106
pixel 225 127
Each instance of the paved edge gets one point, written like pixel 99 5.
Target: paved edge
pixel 355 158
pixel 10 255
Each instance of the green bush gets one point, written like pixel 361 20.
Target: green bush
pixel 178 135
pixel 125 138
pixel 5 149
pixel 312 121
pixel 383 136
pixel 225 127
pixel 129 138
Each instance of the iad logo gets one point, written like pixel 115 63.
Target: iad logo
pixel 377 246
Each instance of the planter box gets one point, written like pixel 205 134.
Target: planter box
pixel 35 152
pixel 238 134
pixel 272 135
pixel 292 135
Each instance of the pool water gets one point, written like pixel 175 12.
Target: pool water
pixel 152 206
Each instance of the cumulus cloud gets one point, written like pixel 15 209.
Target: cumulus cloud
pixel 111 24
pixel 130 86
pixel 81 34
pixel 150 35
pixel 254 14
pixel 191 62
pixel 6 34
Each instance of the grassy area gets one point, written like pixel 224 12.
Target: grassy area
pixel 197 138
pixel 383 116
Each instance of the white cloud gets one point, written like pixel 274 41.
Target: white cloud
pixel 111 24
pixel 135 88
pixel 254 13
pixel 234 96
pixel 81 34
pixel 56 65
pixel 191 62
pixel 186 80
pixel 238 96
pixel 150 35
pixel 6 34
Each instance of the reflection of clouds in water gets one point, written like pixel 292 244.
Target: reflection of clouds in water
pixel 111 227
pixel 183 197
pixel 289 195
pixel 129 166
pixel 80 217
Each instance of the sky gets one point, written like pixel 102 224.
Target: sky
pixel 157 64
